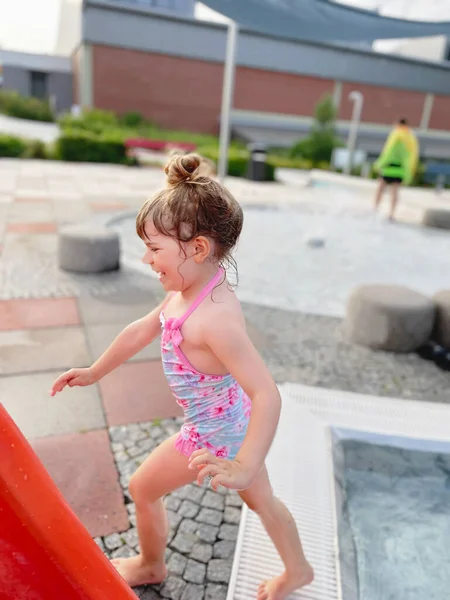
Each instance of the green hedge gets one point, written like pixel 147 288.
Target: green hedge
pixel 15 105
pixel 12 146
pixel 84 146
pixel 237 161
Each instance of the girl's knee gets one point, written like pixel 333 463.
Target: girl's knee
pixel 140 490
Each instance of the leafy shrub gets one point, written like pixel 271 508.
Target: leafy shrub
pixel 132 119
pixel 85 146
pixel 11 146
pixel 22 107
pixel 237 159
pixel 95 121
pixel 35 149
pixel 318 146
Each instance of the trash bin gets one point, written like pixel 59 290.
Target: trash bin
pixel 257 165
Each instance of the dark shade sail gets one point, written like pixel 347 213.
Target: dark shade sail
pixel 322 21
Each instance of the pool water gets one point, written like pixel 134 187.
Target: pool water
pixel 393 507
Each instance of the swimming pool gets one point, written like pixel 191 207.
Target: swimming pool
pixel 393 517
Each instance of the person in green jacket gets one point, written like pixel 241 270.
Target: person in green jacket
pixel 397 163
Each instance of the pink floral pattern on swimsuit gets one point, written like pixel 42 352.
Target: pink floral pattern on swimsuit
pixel 216 409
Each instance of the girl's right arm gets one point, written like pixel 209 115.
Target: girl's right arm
pixel 129 342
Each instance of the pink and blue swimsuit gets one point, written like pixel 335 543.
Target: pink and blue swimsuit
pixel 216 409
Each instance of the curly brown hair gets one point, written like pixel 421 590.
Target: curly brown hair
pixel 192 205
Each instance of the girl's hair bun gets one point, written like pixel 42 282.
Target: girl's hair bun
pixel 183 169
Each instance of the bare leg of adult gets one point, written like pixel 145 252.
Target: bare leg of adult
pixel 394 199
pixel 379 194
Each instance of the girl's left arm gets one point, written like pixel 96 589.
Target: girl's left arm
pixel 229 341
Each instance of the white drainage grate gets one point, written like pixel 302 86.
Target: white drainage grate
pixel 300 469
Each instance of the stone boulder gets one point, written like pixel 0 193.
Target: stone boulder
pixel 389 317
pixel 441 332
pixel 88 249
pixel 436 217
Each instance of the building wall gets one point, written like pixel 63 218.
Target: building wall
pixel 440 113
pixel 384 105
pixel 186 93
pixel 17 79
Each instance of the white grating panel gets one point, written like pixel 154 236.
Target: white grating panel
pixel 300 469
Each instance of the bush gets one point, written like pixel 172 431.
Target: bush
pixel 318 146
pixel 94 121
pixel 15 105
pixel 289 163
pixel 35 149
pixel 237 159
pixel 132 119
pixel 11 146
pixel 85 146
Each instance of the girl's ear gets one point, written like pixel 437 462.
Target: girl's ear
pixel 202 248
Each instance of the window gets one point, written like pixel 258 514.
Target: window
pixel 39 84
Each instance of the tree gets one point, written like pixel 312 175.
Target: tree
pixel 322 139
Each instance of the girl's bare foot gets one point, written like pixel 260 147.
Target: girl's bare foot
pixel 137 572
pixel 280 587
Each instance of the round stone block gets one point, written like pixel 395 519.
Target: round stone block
pixel 437 217
pixel 388 317
pixel 88 249
pixel 441 332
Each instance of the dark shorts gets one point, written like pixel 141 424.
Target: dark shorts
pixel 390 180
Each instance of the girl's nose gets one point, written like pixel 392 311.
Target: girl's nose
pixel 147 258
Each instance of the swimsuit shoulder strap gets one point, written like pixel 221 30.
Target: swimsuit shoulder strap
pixel 203 294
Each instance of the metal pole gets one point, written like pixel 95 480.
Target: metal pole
pixel 227 99
pixel 358 101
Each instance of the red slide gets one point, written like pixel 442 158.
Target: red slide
pixel 45 551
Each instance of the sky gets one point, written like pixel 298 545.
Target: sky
pixel 31 25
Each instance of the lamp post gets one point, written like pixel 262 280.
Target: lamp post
pixel 227 99
pixel 358 101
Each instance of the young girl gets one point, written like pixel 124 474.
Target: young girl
pixel 230 401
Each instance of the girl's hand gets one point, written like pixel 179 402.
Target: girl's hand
pixel 72 378
pixel 228 473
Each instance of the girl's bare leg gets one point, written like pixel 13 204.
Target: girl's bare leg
pixel 394 199
pixel 282 530
pixel 164 471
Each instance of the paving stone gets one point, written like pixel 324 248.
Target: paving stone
pixel 216 592
pixel 188 526
pixel 188 509
pixel 172 503
pixel 195 493
pixel 195 572
pixel 117 447
pixel 131 537
pixel 219 570
pixel 131 508
pixel 113 541
pixel 224 549
pixel 233 499
pixel 173 588
pixel 213 500
pixel 174 518
pixel 228 532
pixel 193 592
pixel 184 542
pixel 232 515
pixel 202 552
pixel 210 516
pixel 207 533
pixel 145 592
pixel 177 564
pixel 123 552
pixel 100 544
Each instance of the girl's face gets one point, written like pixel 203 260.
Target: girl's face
pixel 175 269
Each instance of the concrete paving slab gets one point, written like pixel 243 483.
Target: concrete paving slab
pixel 121 307
pixel 70 211
pixel 137 392
pixel 82 466
pixel 38 313
pixel 30 350
pixel 101 336
pixel 37 414
pixel 30 212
